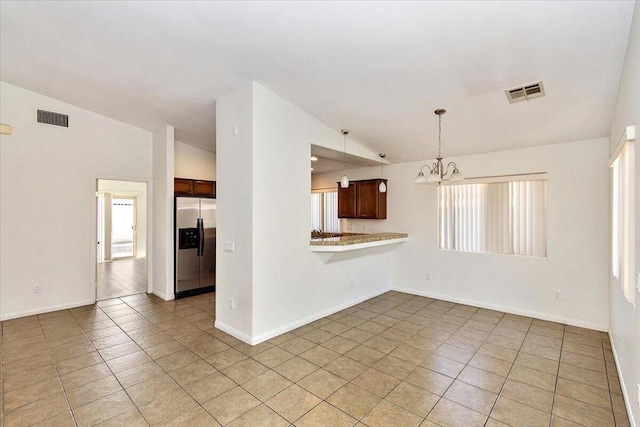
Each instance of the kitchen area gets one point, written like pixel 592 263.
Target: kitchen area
pixel 195 209
pixel 348 204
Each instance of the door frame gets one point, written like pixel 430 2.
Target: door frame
pixel 93 253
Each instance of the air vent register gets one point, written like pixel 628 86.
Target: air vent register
pixel 53 119
pixel 525 93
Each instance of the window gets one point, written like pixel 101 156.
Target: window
pixel 505 215
pixel 324 211
pixel 622 245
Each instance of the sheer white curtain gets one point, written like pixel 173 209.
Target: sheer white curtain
pixel 498 217
pixel 622 245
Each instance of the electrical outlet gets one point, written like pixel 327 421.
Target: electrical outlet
pixel 232 304
pixel 37 288
pixel 557 296
pixel 235 130
pixel 428 276
pixel 229 247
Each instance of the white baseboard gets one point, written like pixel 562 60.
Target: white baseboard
pixel 506 309
pixel 625 395
pixel 161 295
pixel 47 309
pixel 233 332
pixel 293 325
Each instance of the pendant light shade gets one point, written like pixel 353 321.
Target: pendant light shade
pixel 344 182
pixel 421 179
pixel 382 187
pixel 456 176
pixel 434 178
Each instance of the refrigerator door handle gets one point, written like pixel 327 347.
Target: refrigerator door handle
pixel 200 237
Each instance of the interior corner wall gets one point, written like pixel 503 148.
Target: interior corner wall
pixel 47 198
pixel 577 236
pixel 264 185
pixel 292 285
pixel 162 243
pixel 624 324
pixel 194 163
pixel 234 188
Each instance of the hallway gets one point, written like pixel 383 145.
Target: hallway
pixel 122 277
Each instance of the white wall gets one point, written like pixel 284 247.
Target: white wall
pixel 234 187
pixel 47 187
pixel 162 228
pixel 193 163
pixel 578 227
pixel 276 281
pixel 290 282
pixel 139 191
pixel 625 318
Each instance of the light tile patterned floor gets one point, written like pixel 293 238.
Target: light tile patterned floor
pixel 396 359
pixel 122 277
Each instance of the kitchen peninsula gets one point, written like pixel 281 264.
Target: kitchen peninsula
pixel 342 242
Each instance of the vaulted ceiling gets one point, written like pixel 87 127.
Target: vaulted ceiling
pixel 376 68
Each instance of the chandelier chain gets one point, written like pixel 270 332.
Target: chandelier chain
pixel 439 135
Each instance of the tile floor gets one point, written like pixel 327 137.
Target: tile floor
pixel 121 277
pixel 396 359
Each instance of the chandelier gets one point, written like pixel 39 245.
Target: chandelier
pixel 437 172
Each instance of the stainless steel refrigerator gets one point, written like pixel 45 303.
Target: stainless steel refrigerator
pixel 195 246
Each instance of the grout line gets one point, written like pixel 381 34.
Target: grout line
pixel 381 310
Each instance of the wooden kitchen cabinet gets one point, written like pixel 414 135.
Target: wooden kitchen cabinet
pixel 182 187
pixel 347 201
pixel 194 187
pixel 362 200
pixel 204 188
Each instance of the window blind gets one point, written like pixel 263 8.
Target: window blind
pixel 331 221
pixel 622 239
pixel 316 211
pixel 507 217
pixel 324 211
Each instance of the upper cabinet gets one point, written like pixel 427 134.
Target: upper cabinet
pixel 347 201
pixel 194 187
pixel 362 200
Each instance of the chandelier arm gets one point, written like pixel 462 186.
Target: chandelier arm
pixel 426 166
pixel 451 164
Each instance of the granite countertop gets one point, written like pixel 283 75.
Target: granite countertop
pixel 355 239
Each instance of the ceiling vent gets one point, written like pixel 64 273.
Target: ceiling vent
pixel 525 93
pixel 54 119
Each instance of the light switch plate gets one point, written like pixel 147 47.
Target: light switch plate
pixel 229 247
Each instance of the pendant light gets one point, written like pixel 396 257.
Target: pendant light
pixel 344 182
pixel 382 187
pixel 437 171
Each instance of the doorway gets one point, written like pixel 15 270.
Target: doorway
pixel 121 208
pixel 123 227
